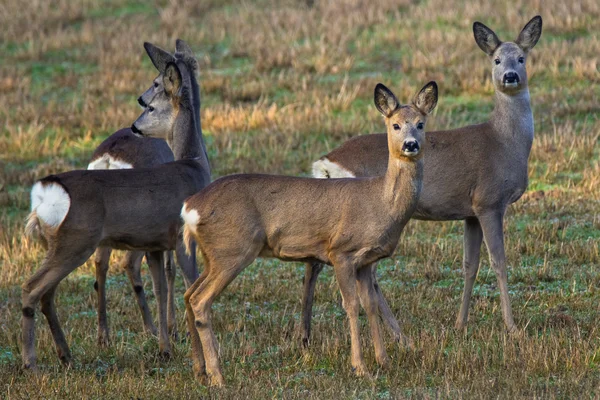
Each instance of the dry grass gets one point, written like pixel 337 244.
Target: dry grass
pixel 282 84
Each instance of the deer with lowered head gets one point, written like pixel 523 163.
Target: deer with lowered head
pixel 473 173
pixel 347 223
pixel 122 150
pixel 130 209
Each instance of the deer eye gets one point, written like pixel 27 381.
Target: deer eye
pixel 497 61
pixel 521 60
pixel 396 127
pixel 155 84
pixel 420 125
pixel 150 108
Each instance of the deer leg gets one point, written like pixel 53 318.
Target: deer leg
pixel 101 260
pixel 133 269
pixel 220 273
pixel 311 273
pixel 471 251
pixel 345 273
pixel 370 301
pixel 170 271
pixel 199 365
pixel 157 269
pixel 49 310
pixel 187 263
pixel 55 268
pixel 491 224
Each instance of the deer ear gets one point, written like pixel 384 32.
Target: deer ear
pixel 172 79
pixel 427 98
pixel 159 57
pixel 385 101
pixel 530 34
pixel 485 38
pixel 182 47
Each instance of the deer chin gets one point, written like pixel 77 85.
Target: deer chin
pixel 410 154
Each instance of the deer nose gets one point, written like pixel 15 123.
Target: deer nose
pixel 410 147
pixel 141 102
pixel 511 77
pixel 136 130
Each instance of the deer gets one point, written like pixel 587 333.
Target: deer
pixel 473 173
pixel 137 209
pixel 123 150
pixel 347 223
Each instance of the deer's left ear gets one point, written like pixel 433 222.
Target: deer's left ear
pixel 530 34
pixel 159 57
pixel 427 98
pixel 172 79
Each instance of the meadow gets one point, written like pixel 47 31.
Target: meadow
pixel 282 84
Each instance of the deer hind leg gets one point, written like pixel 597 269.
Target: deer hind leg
pixel 221 271
pixel 345 273
pixel 472 248
pixel 55 268
pixel 171 312
pixel 156 263
pixel 370 302
pixel 101 262
pixel 132 265
pixel 491 225
pixel 311 273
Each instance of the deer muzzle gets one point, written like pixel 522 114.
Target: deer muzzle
pixel 410 147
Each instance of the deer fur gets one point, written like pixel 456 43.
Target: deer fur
pixel 473 173
pixel 347 223
pixel 129 209
pixel 123 150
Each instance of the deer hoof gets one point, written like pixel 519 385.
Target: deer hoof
pixel 383 361
pixel 360 370
pixel 216 380
pixel 165 354
pixel 103 340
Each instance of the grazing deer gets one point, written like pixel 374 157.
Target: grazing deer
pixel 473 173
pixel 347 223
pixel 123 150
pixel 129 209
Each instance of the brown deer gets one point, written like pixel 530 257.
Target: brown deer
pixel 129 209
pixel 347 223
pixel 473 173
pixel 123 150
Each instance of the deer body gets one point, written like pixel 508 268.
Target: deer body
pixel 347 223
pixel 131 209
pixel 473 173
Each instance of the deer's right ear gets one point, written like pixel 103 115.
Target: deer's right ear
pixel 385 101
pixel 159 57
pixel 172 79
pixel 427 98
pixel 485 38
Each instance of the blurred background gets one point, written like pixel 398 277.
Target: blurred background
pixel 282 83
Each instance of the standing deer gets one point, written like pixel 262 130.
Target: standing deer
pixel 473 173
pixel 123 150
pixel 347 223
pixel 129 209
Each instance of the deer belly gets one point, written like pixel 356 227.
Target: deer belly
pixel 146 238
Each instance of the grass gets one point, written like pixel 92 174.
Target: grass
pixel 283 84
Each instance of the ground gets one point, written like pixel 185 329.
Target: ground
pixel 282 84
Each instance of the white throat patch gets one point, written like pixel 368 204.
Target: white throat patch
pixel 324 168
pixel 106 161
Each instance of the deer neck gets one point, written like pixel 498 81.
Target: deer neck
pixel 185 137
pixel 196 103
pixel 402 185
pixel 512 117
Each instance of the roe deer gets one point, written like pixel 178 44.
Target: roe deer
pixel 347 223
pixel 473 173
pixel 124 149
pixel 130 209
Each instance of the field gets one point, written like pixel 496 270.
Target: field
pixel 282 84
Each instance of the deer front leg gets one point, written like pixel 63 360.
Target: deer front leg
pixel 491 225
pixel 156 263
pixel 133 269
pixel 386 312
pixel 198 362
pixel 101 261
pixel 170 271
pixel 345 273
pixel 369 301
pixel 311 273
pixel 472 248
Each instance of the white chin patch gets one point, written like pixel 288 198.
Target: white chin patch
pixel 324 168
pixel 106 161
pixel 51 203
pixel 410 153
pixel 190 218
pixel 511 84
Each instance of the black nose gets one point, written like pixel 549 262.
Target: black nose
pixel 511 77
pixel 410 146
pixel 141 102
pixel 135 130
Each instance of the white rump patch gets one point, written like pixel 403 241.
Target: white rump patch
pixel 190 218
pixel 50 202
pixel 109 162
pixel 324 168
